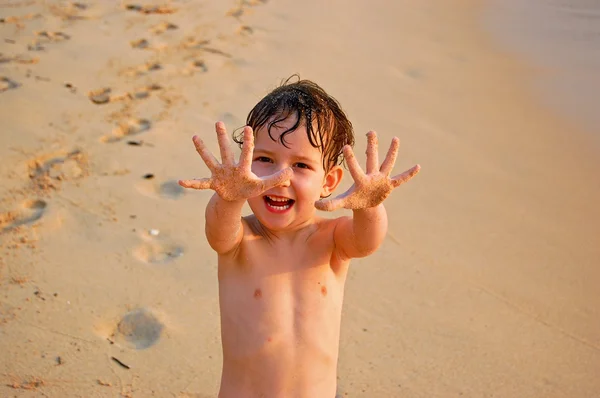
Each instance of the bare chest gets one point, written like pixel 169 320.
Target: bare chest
pixel 281 280
pixel 279 296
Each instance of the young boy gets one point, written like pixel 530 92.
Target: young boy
pixel 282 269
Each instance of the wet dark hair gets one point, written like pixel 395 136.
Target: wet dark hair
pixel 327 126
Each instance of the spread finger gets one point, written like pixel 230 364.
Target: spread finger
pixel 203 183
pixel 390 158
pixel 247 148
pixel 224 144
pixel 355 170
pixel 406 176
pixel 372 153
pixel 211 162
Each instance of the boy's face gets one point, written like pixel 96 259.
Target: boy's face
pixel 290 205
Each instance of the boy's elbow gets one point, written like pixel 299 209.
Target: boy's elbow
pixel 369 244
pixel 221 246
pixel 221 243
pixel 367 250
pixel 362 248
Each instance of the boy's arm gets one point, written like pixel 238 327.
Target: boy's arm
pixel 361 234
pixel 223 227
pixel 233 183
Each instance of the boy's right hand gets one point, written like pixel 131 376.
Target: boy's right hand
pixel 233 181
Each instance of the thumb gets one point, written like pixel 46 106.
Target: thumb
pixel 278 178
pixel 406 176
pixel 329 204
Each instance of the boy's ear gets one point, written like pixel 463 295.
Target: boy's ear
pixel 331 181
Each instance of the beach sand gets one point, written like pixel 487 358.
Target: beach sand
pixel 487 284
pixel 563 36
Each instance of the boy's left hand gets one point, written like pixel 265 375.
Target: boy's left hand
pixel 370 189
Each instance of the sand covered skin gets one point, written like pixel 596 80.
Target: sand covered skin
pixel 487 281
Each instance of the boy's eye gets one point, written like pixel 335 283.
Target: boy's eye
pixel 262 159
pixel 302 166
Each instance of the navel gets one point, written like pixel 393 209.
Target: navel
pixel 257 293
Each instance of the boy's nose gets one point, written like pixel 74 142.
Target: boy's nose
pixel 287 183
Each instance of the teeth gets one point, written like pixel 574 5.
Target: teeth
pixel 279 207
pixel 277 199
pixel 278 203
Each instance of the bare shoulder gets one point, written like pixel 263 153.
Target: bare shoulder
pixel 340 227
pixel 325 235
pixel 318 237
pixel 326 226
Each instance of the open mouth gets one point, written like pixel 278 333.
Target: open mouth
pixel 278 203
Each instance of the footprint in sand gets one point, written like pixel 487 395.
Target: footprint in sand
pixel 30 211
pixel 139 329
pixel 47 171
pixel 157 250
pixel 149 9
pixel 78 6
pixel 194 43
pixel 20 20
pixel 35 46
pixel 104 95
pixel 52 36
pixel 236 12
pixel 127 128
pixel 144 92
pixel 140 43
pixel 21 59
pixel 162 27
pixel 141 70
pixel 241 9
pixel 44 37
pixel 61 165
pixel 7 84
pixel 100 96
pixel 245 30
pixel 169 189
pixel 69 11
pixel 196 65
pixel 199 64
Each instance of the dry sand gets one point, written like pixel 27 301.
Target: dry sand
pixel 564 37
pixel 486 286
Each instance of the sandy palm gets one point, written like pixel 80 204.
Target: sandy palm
pixel 370 188
pixel 233 181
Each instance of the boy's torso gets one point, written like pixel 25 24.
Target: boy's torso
pixel 281 303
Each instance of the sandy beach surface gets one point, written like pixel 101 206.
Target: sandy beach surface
pixel 487 285
pixel 564 37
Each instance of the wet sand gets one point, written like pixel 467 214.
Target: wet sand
pixel 485 286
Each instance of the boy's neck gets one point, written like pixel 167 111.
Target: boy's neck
pixel 288 234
